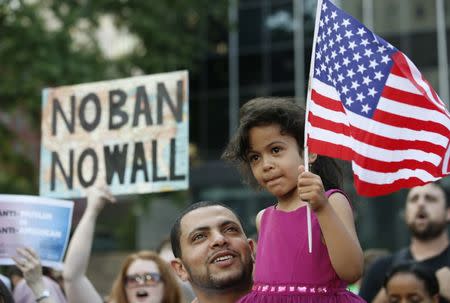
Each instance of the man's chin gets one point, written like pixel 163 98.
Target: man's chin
pixel 227 280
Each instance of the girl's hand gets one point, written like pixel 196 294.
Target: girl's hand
pixel 97 197
pixel 310 189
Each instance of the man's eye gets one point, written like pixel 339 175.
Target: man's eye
pixel 232 229
pixel 197 237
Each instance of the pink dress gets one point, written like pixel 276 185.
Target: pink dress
pixel 285 271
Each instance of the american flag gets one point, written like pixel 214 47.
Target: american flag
pixel 369 104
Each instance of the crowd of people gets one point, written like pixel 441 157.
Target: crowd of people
pixel 211 259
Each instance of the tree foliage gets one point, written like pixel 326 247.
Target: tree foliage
pixel 50 43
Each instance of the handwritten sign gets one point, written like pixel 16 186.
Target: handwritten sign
pixel 130 134
pixel 40 223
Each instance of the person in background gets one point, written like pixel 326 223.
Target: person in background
pixel 164 250
pixel 5 294
pixel 427 213
pixel 143 278
pixel 34 286
pixel 410 282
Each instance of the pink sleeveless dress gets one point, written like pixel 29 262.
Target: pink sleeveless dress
pixel 285 271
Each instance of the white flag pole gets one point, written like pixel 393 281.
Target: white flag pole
pixel 308 99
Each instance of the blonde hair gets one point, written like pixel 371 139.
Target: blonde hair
pixel 172 291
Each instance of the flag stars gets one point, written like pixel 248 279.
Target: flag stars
pixel 327 59
pixel 373 64
pixel 348 34
pixel 368 52
pixel 342 50
pixel 350 73
pixel 337 66
pixel 335 27
pixel 346 22
pixel 345 61
pixel 357 57
pixel 345 89
pixel 372 92
pixel 333 15
pixel 338 38
pixel 331 43
pixel 341 78
pixel 349 102
pixel 381 49
pixel 364 42
pixel 355 85
pixel 361 31
pixel 333 54
pixel 360 97
pixel 385 59
pixel 329 31
pixel 365 108
pixel 352 45
pixel 361 68
pixel 323 67
pixel 378 76
pixel 318 71
pixel 366 80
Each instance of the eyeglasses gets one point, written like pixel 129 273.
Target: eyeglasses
pixel 147 279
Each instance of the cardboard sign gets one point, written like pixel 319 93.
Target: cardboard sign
pixel 130 134
pixel 42 224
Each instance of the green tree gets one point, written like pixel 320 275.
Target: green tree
pixel 51 43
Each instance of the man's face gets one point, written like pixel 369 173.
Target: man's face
pixel 426 213
pixel 215 251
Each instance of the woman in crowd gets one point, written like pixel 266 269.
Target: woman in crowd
pixel 144 277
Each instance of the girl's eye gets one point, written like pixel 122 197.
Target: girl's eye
pixel 253 158
pixel 276 150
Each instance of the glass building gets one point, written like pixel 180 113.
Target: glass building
pixel 266 51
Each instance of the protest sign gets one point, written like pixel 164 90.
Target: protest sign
pixel 129 134
pixel 42 224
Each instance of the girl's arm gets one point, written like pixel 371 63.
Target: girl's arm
pixel 335 217
pixel 77 285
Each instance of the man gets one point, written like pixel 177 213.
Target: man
pixel 427 213
pixel 212 252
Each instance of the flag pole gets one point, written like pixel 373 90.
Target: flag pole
pixel 308 99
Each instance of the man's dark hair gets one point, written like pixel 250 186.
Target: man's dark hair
pixel 446 191
pixel 175 233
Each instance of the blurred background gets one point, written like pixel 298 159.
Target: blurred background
pixel 234 50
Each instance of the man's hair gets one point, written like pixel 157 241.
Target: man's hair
pixel 446 191
pixel 175 233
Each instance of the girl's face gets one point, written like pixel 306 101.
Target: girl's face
pixel 407 288
pixel 274 159
pixel 143 284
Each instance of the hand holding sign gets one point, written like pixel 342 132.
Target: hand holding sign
pixel 97 197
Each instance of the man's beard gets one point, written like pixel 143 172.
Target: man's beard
pixel 431 231
pixel 208 281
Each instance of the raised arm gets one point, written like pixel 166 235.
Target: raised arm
pixel 77 285
pixel 29 263
pixel 335 217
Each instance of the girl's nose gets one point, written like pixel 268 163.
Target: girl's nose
pixel 267 164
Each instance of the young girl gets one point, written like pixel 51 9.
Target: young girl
pixel 268 147
pixel 410 282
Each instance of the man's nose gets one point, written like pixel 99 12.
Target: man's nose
pixel 218 239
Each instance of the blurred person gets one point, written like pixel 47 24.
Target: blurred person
pixel 5 293
pixel 164 250
pixel 143 278
pixel 370 255
pixel 34 286
pixel 410 282
pixel 212 252
pixel 427 213
pixel 6 281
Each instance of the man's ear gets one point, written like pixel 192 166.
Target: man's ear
pixel 252 245
pixel 179 268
